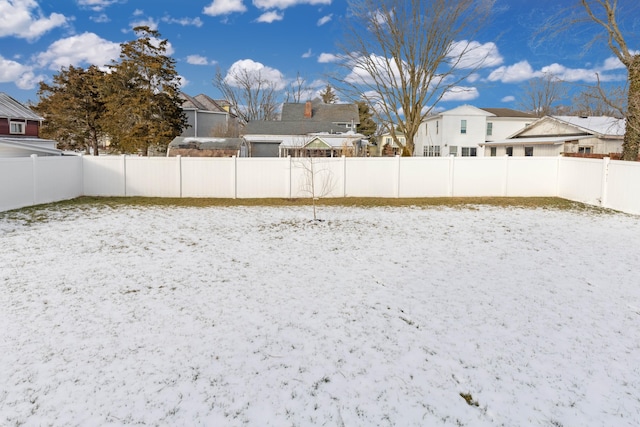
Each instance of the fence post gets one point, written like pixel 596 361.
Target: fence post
pixel 34 170
pixel 452 162
pixel 344 176
pixel 179 160
pixel 124 174
pixel 505 188
pixel 235 177
pixel 605 182
pixel 290 182
pixel 397 176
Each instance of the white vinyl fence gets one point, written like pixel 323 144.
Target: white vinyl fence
pixel 36 180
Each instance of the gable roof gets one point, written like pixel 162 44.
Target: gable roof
pixel 325 118
pixel 204 103
pixel 508 112
pixel 12 109
pixel 321 112
pixel 600 125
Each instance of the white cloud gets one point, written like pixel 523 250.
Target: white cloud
pixel 523 71
pixel 515 73
pixel 256 70
pixel 86 48
pixel 196 22
pixel 271 16
pixel 324 20
pixel 384 69
pixel 283 4
pixel 508 98
pixel 461 93
pixel 101 19
pixel 21 75
pixel 472 54
pixel 24 19
pixel 307 54
pixel 224 7
pixel 328 57
pixel 96 5
pixel 197 60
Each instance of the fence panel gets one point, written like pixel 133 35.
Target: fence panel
pixel 623 187
pixel 532 176
pixel 478 176
pixel 16 190
pixel 58 178
pixel 580 180
pixel 263 178
pixel 372 177
pixel 424 177
pixel 104 176
pixel 208 177
pixel 153 176
pixel 327 173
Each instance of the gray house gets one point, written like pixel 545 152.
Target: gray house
pixel 208 117
pixel 299 125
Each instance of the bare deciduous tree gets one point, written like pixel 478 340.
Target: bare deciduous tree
pixel 600 101
pixel 252 95
pixel 297 91
pixel 541 95
pixel 605 16
pixel 404 56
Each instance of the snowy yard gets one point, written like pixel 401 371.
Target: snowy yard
pixel 378 316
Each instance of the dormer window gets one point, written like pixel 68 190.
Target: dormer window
pixel 17 128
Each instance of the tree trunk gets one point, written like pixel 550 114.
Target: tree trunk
pixel 632 132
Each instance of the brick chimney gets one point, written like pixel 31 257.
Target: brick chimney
pixel 308 110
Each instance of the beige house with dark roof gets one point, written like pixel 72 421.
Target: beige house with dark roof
pixel 462 130
pixel 563 135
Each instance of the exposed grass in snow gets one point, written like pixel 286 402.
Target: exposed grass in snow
pixel 121 312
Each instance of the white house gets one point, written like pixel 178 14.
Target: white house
pixel 462 130
pixel 558 135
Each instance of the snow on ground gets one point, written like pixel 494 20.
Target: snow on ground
pixel 376 316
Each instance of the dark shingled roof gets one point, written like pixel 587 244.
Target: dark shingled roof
pixel 321 112
pixel 324 118
pixel 508 112
pixel 203 102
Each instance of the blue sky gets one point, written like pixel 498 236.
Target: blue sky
pixel 282 37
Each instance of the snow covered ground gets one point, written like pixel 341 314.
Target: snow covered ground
pixel 376 316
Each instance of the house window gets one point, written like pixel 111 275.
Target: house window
pixel 494 151
pixel 528 151
pixel 489 128
pixel 16 127
pixel 431 151
pixel 584 150
pixel 453 150
pixel 509 151
pixel 469 151
pixel 387 140
pixel 463 126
